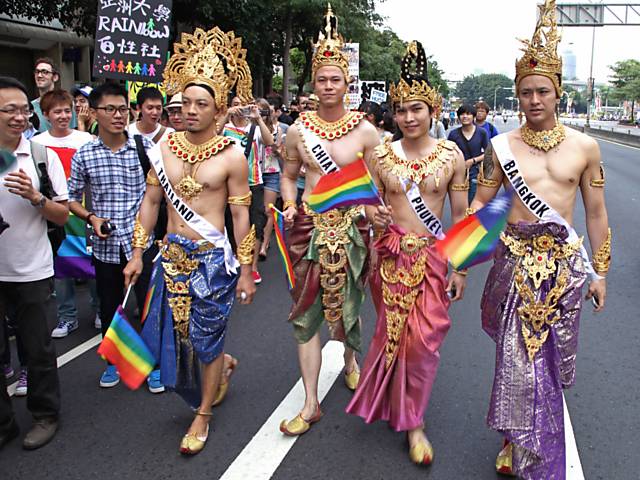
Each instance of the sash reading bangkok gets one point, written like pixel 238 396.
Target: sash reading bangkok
pixel 531 200
pixel 190 217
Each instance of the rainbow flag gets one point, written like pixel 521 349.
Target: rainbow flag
pixel 73 260
pixel 351 185
pixel 278 227
pixel 473 240
pixel 124 347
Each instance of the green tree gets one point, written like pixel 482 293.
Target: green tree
pixel 626 80
pixel 488 87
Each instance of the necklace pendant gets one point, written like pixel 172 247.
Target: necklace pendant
pixel 188 188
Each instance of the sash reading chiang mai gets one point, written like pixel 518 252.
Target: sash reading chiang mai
pixel 191 218
pixel 531 200
pixel 419 206
pixel 317 150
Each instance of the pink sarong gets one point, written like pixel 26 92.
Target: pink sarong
pixel 408 290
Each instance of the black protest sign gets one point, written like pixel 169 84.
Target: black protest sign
pixel 366 86
pixel 132 37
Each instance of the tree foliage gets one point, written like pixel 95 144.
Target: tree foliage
pixel 626 81
pixel 486 87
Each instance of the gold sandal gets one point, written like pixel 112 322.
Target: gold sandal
pixel 504 462
pixel 223 388
pixel 421 453
pixel 352 379
pixel 299 425
pixel 193 443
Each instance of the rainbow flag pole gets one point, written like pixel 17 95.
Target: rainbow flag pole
pixel 278 227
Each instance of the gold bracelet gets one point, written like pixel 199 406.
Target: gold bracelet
pixel 289 203
pixel 242 200
pixel 246 247
pixel 469 211
pixel 602 257
pixel 140 236
pixel 151 180
pixel 464 272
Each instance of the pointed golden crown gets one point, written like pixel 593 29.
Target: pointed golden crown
pixel 541 52
pixel 213 58
pixel 329 49
pixel 413 85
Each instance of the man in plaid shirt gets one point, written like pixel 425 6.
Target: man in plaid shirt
pixel 109 167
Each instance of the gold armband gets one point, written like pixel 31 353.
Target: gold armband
pixel 151 180
pixel 464 272
pixel 289 203
pixel 602 258
pixel 242 200
pixel 469 211
pixel 460 187
pixel 140 236
pixel 598 183
pixel 485 182
pixel 246 247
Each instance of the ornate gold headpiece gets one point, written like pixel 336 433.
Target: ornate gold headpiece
pixel 541 52
pixel 413 85
pixel 215 59
pixel 329 49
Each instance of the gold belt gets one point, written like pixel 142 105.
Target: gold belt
pixel 178 263
pixel 540 259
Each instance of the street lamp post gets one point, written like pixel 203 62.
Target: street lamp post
pixel 495 95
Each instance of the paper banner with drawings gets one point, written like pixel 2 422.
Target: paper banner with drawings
pixel 132 38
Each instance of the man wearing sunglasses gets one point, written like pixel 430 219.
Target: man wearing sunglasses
pixel 46 75
pixel 110 168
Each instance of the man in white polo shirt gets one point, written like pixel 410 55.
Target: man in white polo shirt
pixel 149 101
pixel 26 264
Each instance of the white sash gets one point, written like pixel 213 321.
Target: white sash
pixel 419 206
pixel 534 203
pixel 190 217
pixel 315 148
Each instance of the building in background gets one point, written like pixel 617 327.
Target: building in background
pixel 569 64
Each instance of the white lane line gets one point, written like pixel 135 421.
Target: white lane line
pixel 616 143
pixel 67 357
pixel 574 467
pixel 263 454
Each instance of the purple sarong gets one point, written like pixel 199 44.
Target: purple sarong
pixel 526 400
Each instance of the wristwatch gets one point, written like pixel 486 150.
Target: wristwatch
pixel 41 202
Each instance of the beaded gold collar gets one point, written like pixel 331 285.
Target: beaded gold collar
pixel 330 130
pixel 192 153
pixel 418 169
pixel 543 140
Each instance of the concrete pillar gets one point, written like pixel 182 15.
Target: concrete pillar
pixel 84 67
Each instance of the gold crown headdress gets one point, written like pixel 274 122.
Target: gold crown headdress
pixel 414 85
pixel 329 49
pixel 541 52
pixel 213 58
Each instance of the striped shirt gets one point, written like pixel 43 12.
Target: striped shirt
pixel 255 160
pixel 117 184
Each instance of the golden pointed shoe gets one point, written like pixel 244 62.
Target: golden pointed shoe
pixel 504 462
pixel 299 425
pixel 223 388
pixel 191 443
pixel 421 453
pixel 352 379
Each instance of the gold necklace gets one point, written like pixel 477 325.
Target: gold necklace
pixel 192 153
pixel 419 168
pixel 331 130
pixel 188 188
pixel 543 140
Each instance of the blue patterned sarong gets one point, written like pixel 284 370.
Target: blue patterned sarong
pixel 191 299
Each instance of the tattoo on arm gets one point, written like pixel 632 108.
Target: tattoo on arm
pixel 487 163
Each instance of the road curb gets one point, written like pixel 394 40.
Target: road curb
pixel 623 138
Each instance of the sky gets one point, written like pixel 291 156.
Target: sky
pixel 480 36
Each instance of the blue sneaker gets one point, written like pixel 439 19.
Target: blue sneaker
pixel 153 382
pixel 110 377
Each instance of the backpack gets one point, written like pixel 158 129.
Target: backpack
pixel 55 232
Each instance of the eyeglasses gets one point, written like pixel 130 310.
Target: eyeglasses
pixel 14 112
pixel 43 72
pixel 111 110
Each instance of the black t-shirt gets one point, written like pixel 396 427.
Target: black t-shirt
pixel 473 147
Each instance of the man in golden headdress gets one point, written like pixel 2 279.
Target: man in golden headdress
pixel 329 250
pixel 532 300
pixel 409 283
pixel 197 276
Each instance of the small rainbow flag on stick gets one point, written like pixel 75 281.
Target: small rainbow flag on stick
pixel 351 185
pixel 278 226
pixel 473 240
pixel 123 347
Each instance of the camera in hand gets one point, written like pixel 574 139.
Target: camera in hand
pixel 265 112
pixel 107 228
pixel 245 111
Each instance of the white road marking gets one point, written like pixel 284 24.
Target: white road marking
pixel 264 453
pixel 574 467
pixel 67 357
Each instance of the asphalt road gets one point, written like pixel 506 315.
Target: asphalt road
pixel 117 433
pixel 608 125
